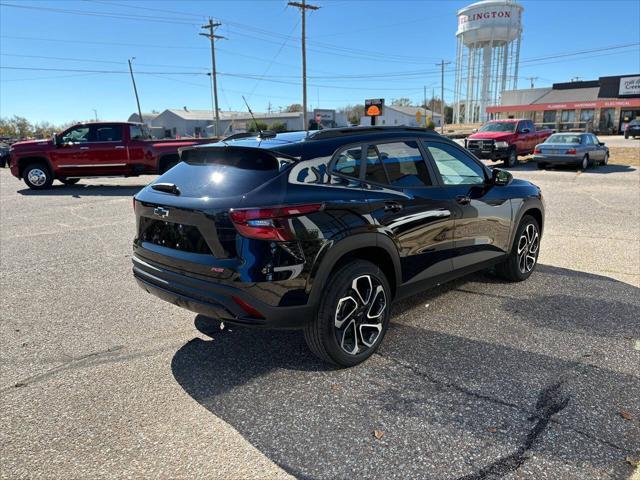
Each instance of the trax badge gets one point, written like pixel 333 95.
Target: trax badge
pixel 161 212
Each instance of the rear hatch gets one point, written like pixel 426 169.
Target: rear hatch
pixel 183 217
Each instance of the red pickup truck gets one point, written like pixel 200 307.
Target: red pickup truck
pixel 505 140
pixel 96 149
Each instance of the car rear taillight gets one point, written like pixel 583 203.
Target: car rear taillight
pixel 269 223
pixel 537 150
pixel 571 151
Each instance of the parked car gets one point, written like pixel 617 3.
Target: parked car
pixel 632 129
pixel 505 140
pixel 321 231
pixel 95 149
pixel 4 155
pixel 580 149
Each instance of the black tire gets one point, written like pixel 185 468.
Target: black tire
pixel 340 298
pixel 512 159
pixel 626 135
pixel 69 181
pixel 511 269
pixel 167 163
pixel 584 163
pixel 37 176
pixel 542 166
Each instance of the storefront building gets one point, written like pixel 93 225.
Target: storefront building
pixel 604 106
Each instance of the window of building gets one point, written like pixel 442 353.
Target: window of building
pixel 606 119
pixel 348 162
pixel 398 163
pixel 567 117
pixel 586 115
pixel 455 167
pixel 549 119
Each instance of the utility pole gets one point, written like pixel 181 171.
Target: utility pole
pixel 442 64
pixel 95 113
pixel 135 90
pixel 425 106
pixel 213 103
pixel 303 6
pixel 575 79
pixel 532 80
pixel 211 26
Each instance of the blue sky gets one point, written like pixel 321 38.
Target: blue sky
pixel 353 48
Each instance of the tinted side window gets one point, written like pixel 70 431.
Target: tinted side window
pixel 398 163
pixel 111 133
pixel 348 161
pixel 454 166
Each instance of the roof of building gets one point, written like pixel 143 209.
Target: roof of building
pixel 146 116
pixel 573 95
pixel 228 115
pixel 410 110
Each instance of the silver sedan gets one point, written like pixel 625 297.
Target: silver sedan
pixel 580 149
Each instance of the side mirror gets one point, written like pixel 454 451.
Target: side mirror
pixel 525 130
pixel 501 177
pixel 55 140
pixel 601 144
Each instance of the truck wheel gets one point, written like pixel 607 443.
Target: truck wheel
pixel 37 176
pixel 353 315
pixel 167 163
pixel 523 257
pixel 69 181
pixel 512 159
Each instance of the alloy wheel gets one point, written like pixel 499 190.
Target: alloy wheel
pixel 37 177
pixel 528 246
pixel 359 315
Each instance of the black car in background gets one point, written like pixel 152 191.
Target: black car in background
pixel 632 129
pixel 323 231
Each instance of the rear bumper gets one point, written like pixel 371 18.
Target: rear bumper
pixel 557 159
pixel 216 300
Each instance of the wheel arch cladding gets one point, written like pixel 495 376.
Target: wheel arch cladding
pixel 536 213
pixel 375 248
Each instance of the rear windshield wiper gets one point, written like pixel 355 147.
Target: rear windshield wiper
pixel 167 188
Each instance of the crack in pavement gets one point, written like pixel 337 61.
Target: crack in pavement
pixel 551 400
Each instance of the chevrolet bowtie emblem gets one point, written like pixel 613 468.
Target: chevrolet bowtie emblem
pixel 161 212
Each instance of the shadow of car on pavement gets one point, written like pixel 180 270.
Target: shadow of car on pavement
pixel 476 378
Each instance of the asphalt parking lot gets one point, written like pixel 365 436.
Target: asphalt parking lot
pixel 476 379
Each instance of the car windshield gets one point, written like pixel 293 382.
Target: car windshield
pixel 498 127
pixel 563 139
pixel 634 123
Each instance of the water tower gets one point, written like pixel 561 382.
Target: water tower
pixel 487 57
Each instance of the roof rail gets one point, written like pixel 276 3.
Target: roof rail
pixel 338 132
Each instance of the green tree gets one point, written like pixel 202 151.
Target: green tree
pixel 278 127
pixel 257 126
pixel 294 107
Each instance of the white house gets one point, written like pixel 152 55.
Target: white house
pixel 395 115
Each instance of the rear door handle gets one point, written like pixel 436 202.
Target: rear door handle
pixel 392 206
pixel 463 199
pixel 84 148
pixel 120 147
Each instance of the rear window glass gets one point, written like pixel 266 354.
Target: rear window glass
pixel 219 172
pixel 348 161
pixel 564 139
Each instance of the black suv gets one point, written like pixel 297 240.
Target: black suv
pixel 321 231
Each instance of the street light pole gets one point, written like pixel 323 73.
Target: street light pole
pixel 135 90
pixel 211 26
